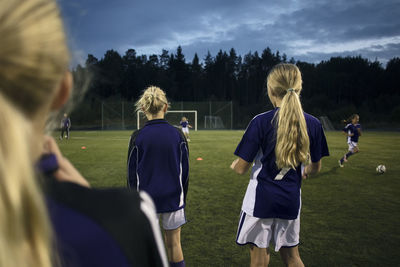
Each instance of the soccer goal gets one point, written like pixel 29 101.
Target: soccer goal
pixel 173 117
pixel 326 123
pixel 213 122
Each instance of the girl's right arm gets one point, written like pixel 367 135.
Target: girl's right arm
pixel 240 166
pixel 66 172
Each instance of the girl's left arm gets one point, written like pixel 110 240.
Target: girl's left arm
pixel 311 169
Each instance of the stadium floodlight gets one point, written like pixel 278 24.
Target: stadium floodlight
pixel 173 117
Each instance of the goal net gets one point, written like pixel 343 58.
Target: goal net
pixel 326 123
pixel 213 122
pixel 172 116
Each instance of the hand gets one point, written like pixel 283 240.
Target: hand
pixel 304 174
pixel 66 172
pixel 233 164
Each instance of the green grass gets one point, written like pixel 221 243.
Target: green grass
pixel 350 216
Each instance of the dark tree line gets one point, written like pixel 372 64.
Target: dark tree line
pixel 336 87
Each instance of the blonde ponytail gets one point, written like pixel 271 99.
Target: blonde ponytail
pixel 34 58
pixel 292 141
pixel 25 230
pixel 152 100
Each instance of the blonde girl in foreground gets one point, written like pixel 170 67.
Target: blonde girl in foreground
pixel 75 226
pixel 277 144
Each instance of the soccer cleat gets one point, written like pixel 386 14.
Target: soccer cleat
pixel 188 140
pixel 344 158
pixel 340 163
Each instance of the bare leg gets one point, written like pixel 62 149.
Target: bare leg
pixel 259 257
pixel 173 243
pixel 291 257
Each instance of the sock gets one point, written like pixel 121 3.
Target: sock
pixel 349 154
pixel 177 264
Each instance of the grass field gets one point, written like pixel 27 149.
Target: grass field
pixel 350 216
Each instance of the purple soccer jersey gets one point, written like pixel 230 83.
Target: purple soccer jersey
pixel 158 163
pixel 184 124
pixel 352 129
pixel 266 197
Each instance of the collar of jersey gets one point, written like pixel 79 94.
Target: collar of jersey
pixel 155 121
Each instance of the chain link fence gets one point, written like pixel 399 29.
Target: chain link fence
pixel 118 115
pixel 121 115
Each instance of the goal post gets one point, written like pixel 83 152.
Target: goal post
pixel 172 116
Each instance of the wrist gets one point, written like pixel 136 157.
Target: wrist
pixel 305 173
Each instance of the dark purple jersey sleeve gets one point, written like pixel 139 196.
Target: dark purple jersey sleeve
pixel 132 162
pixel 251 141
pixel 318 144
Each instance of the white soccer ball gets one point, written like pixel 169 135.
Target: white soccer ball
pixel 380 169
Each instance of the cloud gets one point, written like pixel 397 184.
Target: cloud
pixel 302 29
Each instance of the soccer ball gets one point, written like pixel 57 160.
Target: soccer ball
pixel 380 169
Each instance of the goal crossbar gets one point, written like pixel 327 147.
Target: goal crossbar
pixel 170 111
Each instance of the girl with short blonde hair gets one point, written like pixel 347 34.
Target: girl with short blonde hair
pixel 158 163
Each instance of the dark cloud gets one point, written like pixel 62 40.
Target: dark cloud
pixel 306 30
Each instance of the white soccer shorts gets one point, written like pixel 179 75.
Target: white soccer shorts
pixel 172 220
pixel 352 145
pixel 260 232
pixel 185 130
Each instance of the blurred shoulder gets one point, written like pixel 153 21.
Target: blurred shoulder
pixel 95 201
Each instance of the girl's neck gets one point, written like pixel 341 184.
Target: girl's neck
pixel 159 115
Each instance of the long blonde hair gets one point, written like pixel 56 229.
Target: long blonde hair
pixel 25 231
pixel 33 59
pixel 152 100
pixel 292 142
pixel 33 52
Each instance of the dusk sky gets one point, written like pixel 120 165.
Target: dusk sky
pixel 303 29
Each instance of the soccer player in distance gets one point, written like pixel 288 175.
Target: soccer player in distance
pixel 158 163
pixel 65 126
pixel 185 127
pixel 48 214
pixel 353 131
pixel 277 144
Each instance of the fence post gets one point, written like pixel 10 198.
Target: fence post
pixel 102 115
pixel 123 119
pixel 195 120
pixel 231 115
